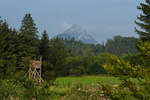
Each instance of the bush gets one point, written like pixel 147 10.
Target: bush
pixel 22 88
pixel 135 80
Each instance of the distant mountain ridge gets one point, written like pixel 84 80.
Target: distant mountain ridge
pixel 78 33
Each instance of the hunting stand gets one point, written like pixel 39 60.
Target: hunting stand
pixel 35 70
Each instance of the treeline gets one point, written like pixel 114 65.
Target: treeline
pixel 117 45
pixel 61 57
pixel 88 59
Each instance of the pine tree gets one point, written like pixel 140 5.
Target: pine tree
pixel 144 34
pixel 58 55
pixel 45 45
pixel 28 42
pixel 7 51
pixel 144 21
pixel 28 26
pixel 47 68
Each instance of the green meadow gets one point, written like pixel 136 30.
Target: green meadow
pixel 86 80
pixel 65 87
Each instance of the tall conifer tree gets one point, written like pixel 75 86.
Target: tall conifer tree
pixel 7 51
pixel 45 51
pixel 28 42
pixel 144 33
pixel 45 45
pixel 144 21
pixel 58 55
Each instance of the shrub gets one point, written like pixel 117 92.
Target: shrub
pixel 22 88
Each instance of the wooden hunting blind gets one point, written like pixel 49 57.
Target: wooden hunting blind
pixel 35 70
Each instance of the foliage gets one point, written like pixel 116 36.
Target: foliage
pixel 58 56
pixel 127 72
pixel 144 34
pixel 77 66
pixel 118 46
pixel 27 44
pixel 7 51
pixel 134 59
pixel 45 45
pixel 144 21
pixel 144 48
pixel 22 89
pixel 28 26
pixel 47 67
pixel 121 45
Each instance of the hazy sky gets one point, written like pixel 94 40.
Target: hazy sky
pixel 102 18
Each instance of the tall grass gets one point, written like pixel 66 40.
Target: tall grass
pixel 86 80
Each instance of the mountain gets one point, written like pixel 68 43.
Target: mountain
pixel 78 33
